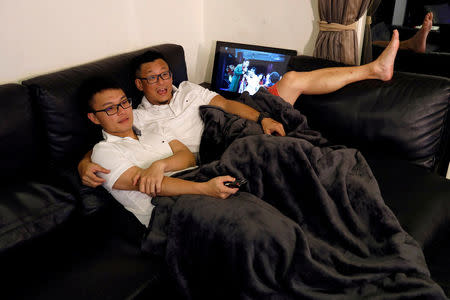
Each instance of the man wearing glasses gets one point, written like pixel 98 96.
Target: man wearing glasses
pixel 130 151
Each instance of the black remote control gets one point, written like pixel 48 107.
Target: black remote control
pixel 236 184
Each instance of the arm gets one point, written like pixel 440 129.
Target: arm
pixel 87 171
pixel 214 187
pixel 244 111
pixel 151 178
pixel 175 186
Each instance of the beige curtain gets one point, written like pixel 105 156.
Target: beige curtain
pixel 337 39
pixel 366 55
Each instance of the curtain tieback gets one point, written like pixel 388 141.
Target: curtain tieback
pixel 368 20
pixel 325 26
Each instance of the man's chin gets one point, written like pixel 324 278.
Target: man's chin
pixel 163 101
pixel 155 100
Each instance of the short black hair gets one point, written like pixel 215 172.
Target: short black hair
pixel 148 56
pixel 92 86
pixel 274 77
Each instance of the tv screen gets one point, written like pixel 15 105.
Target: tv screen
pixel 241 67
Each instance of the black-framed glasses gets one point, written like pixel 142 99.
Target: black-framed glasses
pixel 114 109
pixel 154 78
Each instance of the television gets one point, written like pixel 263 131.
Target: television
pixel 241 67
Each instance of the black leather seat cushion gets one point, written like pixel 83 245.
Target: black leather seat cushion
pixel 31 209
pixel 83 259
pixel 419 198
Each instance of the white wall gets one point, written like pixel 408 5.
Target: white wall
pixel 48 35
pixel 170 21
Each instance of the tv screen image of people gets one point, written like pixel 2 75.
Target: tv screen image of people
pixel 240 69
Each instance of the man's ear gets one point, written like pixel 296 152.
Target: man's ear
pixel 138 84
pixel 93 118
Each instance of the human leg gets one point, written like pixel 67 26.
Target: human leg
pixel 418 42
pixel 328 80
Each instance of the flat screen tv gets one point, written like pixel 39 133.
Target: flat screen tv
pixel 241 67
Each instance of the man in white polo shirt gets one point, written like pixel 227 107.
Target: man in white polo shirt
pixel 171 111
pixel 132 154
pixel 180 117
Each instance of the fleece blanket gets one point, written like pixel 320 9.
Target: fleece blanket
pixel 309 224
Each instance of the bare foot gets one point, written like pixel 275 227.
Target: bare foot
pixel 418 43
pixel 383 67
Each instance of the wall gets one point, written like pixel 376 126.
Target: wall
pixel 48 35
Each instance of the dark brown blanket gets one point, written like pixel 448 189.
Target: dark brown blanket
pixel 309 224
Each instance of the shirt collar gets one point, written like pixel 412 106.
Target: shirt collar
pixel 114 138
pixel 148 106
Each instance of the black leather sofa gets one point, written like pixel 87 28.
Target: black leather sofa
pixel 61 240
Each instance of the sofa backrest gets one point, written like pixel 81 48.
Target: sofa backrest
pixel 20 143
pixel 406 117
pixel 69 133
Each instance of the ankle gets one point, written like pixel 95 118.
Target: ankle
pixel 373 69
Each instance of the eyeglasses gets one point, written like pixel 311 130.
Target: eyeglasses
pixel 114 109
pixel 154 78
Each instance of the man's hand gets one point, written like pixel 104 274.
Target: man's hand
pixel 216 188
pixel 270 126
pixel 87 171
pixel 150 179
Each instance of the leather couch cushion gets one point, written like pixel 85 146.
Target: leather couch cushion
pixel 31 209
pixel 20 144
pixel 84 259
pixel 70 133
pixel 405 118
pixel 404 188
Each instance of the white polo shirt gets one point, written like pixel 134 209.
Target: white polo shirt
pixel 180 118
pixel 119 154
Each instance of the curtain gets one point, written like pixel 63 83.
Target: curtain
pixel 337 39
pixel 366 55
